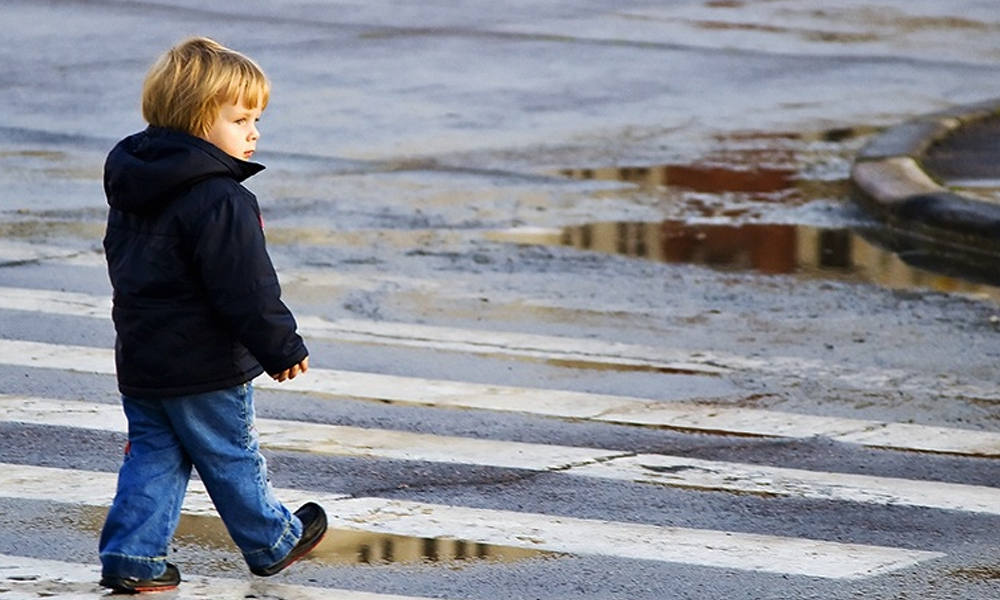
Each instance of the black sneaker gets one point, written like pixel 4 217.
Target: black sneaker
pixel 313 528
pixel 170 579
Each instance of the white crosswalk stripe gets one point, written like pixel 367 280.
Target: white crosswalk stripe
pixel 329 439
pixel 754 552
pixel 577 351
pixel 658 469
pixel 561 404
pixel 403 334
pixel 16 252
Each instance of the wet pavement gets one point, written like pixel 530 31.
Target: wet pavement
pixel 856 254
pixel 620 228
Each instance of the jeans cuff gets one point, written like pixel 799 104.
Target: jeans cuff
pixel 266 557
pixel 122 565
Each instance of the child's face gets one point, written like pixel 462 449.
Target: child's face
pixel 235 130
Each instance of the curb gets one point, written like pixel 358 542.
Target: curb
pixel 887 180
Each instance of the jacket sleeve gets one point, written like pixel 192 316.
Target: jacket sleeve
pixel 231 258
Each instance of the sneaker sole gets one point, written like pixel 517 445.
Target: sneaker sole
pixel 300 556
pixel 117 589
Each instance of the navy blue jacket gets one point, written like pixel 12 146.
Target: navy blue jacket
pixel 197 306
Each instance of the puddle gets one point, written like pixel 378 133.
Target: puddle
pixel 339 546
pixel 772 249
pixel 732 184
pixel 354 547
pixel 751 175
pixel 697 178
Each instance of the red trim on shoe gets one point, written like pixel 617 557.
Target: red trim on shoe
pixel 169 580
pixel 155 588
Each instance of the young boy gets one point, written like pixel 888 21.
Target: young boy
pixel 198 315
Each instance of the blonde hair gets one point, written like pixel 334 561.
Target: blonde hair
pixel 186 88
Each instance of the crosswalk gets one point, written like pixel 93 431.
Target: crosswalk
pixel 561 404
pixel 557 534
pixel 656 469
pixel 492 531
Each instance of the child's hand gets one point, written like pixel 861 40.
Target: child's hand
pixel 292 372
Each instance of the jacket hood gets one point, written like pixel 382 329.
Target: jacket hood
pixel 146 170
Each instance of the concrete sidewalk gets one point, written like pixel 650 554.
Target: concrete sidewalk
pixel 921 177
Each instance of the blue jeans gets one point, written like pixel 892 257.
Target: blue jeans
pixel 215 433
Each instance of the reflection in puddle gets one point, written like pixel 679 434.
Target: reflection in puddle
pixel 718 189
pixel 697 178
pixel 772 249
pixel 372 548
pixel 339 547
pixel 852 255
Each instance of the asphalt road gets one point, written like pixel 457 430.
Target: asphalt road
pixel 505 398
